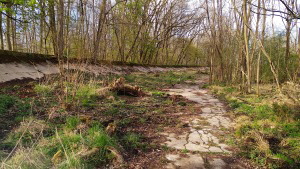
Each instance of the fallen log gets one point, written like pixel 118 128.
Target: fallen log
pixel 121 88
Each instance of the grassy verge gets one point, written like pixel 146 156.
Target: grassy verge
pixel 268 126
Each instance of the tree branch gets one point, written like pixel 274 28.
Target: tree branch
pixel 15 19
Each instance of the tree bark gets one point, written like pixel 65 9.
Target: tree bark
pixel 1 32
pixel 8 27
pixel 42 23
pixel 99 30
pixel 53 30
pixel 246 41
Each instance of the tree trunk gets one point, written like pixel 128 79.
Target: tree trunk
pixel 60 35
pixel 1 32
pixel 42 22
pixel 287 47
pixel 53 26
pixel 259 54
pixel 99 30
pixel 8 27
pixel 246 41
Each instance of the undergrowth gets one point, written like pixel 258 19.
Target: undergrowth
pixel 67 126
pixel 267 134
pixel 13 110
pixel 66 147
pixel 160 80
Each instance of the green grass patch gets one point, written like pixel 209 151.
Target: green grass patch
pixel 69 149
pixel 6 102
pixel 133 142
pixel 267 134
pixel 86 95
pixel 44 90
pixel 72 122
pixel 153 82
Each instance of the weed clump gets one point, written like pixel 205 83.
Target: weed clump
pixel 6 102
pixel 44 90
pixel 133 141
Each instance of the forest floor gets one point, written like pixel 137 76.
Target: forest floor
pixel 175 123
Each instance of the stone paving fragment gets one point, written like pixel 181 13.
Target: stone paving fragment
pixel 192 161
pixel 206 110
pixel 212 121
pixel 217 164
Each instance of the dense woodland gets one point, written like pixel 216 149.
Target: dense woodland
pixel 157 32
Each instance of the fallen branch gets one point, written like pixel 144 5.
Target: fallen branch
pixel 121 88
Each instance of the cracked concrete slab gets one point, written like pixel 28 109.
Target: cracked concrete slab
pixel 211 121
pixel 217 164
pixel 190 161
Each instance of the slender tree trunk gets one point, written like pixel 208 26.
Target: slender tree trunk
pixel 298 69
pixel 13 34
pixel 287 46
pixel 60 35
pixel 53 26
pixel 100 28
pixel 246 41
pixel 1 32
pixel 42 23
pixel 259 53
pixel 8 27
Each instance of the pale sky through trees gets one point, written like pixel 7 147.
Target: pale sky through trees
pixel 277 21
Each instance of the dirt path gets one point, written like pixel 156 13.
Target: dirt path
pixel 203 146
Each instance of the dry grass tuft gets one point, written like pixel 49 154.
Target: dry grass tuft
pixel 260 142
pixel 242 121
